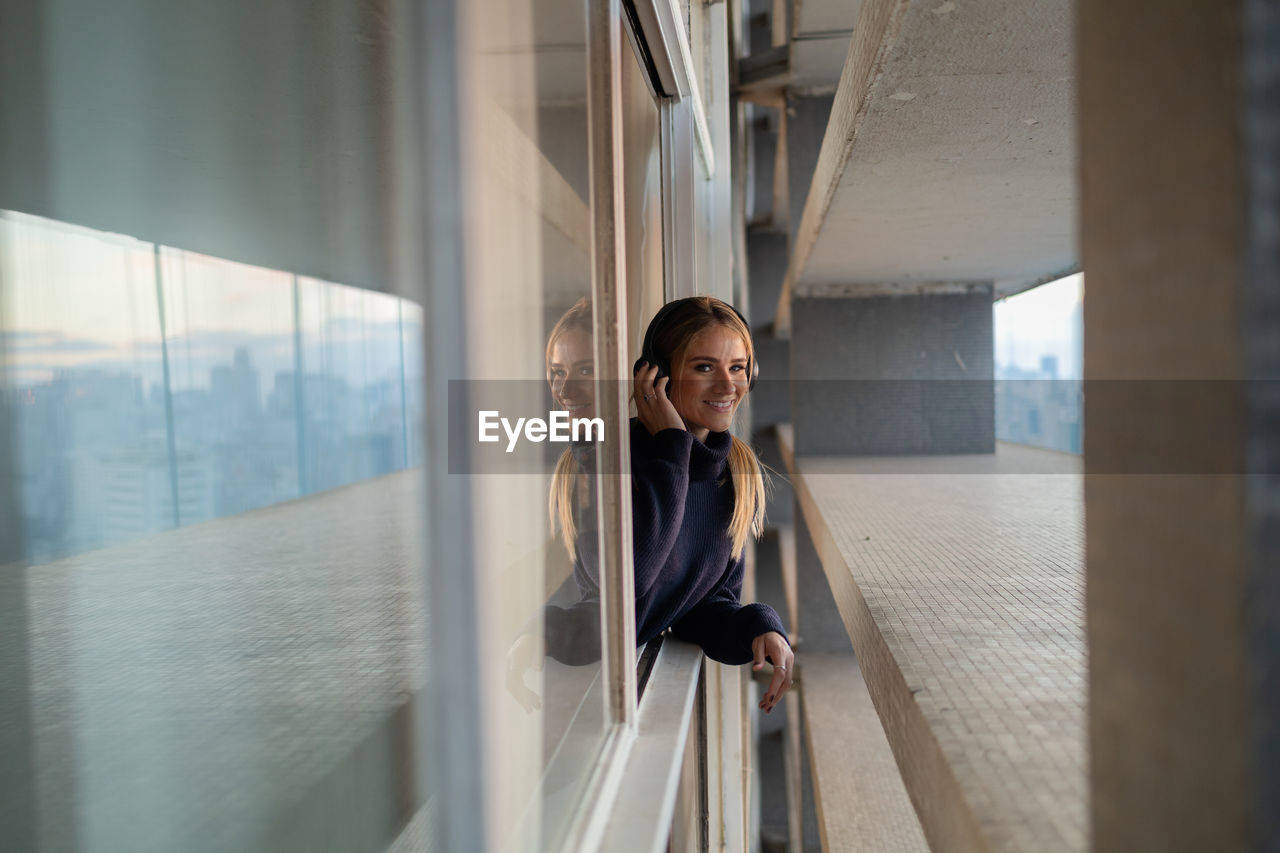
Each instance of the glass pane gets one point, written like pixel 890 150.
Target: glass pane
pixel 82 358
pixel 229 334
pixel 353 385
pixel 531 342
pixel 642 182
pixel 203 687
pixel 199 649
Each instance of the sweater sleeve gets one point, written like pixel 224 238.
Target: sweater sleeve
pixel 659 485
pixel 723 625
pixel 572 634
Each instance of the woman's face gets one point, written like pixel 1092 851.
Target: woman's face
pixel 710 380
pixel 571 374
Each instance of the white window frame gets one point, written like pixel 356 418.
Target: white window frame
pixel 634 781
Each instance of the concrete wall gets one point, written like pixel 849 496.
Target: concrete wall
pixel 893 375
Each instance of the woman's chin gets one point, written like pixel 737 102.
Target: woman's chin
pixel 717 423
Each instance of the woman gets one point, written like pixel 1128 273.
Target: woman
pixel 697 493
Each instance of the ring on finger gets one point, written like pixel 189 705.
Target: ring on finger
pixel 648 397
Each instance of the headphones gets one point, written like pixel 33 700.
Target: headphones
pixel 655 325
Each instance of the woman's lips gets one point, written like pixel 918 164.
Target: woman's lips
pixel 725 406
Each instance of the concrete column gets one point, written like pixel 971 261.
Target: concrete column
pixel 1178 241
pixel 901 374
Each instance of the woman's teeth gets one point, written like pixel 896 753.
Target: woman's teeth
pixel 719 407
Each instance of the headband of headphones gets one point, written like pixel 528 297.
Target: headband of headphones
pixel 647 352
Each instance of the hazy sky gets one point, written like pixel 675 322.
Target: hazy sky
pixel 1041 322
pixel 76 297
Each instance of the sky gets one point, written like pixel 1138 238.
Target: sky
pixel 76 297
pixel 1040 322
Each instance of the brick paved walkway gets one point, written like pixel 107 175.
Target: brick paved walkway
pixel 972 579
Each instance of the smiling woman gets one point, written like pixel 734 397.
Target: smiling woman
pixel 697 493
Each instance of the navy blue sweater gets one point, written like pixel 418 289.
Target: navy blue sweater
pixel 686 577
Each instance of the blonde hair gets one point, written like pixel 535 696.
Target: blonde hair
pixel 568 478
pixel 671 344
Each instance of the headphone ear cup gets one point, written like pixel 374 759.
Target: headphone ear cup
pixel 755 374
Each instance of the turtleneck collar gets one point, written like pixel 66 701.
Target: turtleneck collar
pixel 707 459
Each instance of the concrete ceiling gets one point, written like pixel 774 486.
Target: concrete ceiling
pixel 958 155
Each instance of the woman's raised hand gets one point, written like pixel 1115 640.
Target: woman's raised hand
pixel 652 404
pixel 774 647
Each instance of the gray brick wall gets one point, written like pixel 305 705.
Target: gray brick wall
pixel 806 123
pixel 893 375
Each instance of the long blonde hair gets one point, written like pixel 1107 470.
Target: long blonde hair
pixel 670 344
pixel 568 477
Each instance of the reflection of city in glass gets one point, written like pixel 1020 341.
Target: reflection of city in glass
pixel 1039 366
pixel 157 388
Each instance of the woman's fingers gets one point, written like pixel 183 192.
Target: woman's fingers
pixel 783 660
pixel 644 391
pixel 641 382
pixel 653 406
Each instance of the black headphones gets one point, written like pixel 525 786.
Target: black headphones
pixel 655 325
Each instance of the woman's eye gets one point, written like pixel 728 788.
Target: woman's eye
pixel 557 374
pixel 739 367
pixel 586 371
pixel 703 368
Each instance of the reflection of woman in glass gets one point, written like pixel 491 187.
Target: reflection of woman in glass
pixel 571 375
pixel 697 493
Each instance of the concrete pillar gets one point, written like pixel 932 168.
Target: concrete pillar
pixel 898 374
pixel 1179 247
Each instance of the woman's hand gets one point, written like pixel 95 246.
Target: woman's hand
pixel 652 405
pixel 774 647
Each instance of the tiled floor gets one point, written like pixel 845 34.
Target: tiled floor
pixel 972 570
